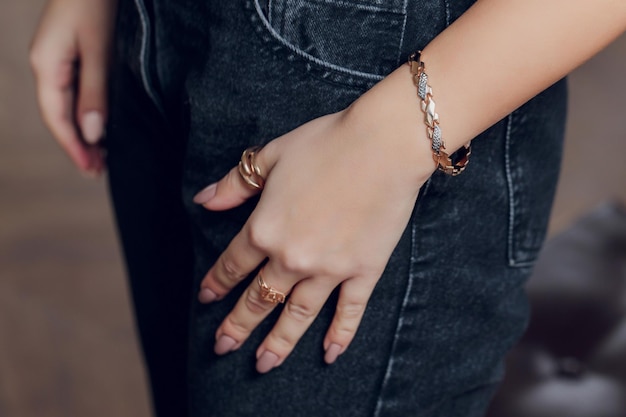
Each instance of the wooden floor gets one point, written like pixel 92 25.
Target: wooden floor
pixel 67 345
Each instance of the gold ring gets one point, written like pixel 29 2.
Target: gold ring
pixel 270 294
pixel 249 170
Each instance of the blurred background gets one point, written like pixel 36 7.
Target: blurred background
pixel 67 344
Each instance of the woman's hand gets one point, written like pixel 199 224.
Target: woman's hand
pixel 69 56
pixel 339 192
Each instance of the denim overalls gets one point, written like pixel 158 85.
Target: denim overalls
pixel 197 81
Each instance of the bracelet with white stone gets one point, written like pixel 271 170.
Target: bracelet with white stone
pixel 450 164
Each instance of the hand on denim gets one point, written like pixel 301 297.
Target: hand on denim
pixel 69 56
pixel 339 192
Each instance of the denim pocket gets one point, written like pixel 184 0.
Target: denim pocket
pixel 360 39
pixel 533 148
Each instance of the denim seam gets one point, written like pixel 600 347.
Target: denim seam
pixel 367 7
pixel 405 300
pixel 511 191
pixel 447 6
pixel 509 181
pixel 303 54
pixel 143 53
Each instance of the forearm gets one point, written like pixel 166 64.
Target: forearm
pixel 494 58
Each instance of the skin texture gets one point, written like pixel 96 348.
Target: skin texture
pixel 69 57
pixel 485 65
pixel 318 234
pixel 322 236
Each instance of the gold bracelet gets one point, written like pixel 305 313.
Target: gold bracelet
pixel 450 164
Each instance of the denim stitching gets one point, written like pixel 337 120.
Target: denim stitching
pixel 303 54
pixel 143 53
pixel 447 6
pixel 509 182
pixel 367 7
pixel 405 301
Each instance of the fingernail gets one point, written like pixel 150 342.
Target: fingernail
pixel 224 344
pixel 92 126
pixel 206 296
pixel 332 353
pixel 267 361
pixel 205 195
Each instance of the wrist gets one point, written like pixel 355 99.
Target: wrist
pixel 450 162
pixel 390 113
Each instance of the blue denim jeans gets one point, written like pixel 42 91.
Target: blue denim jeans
pixel 195 83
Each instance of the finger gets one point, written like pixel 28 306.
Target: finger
pixel 234 264
pixel 250 310
pixel 302 307
pixel 353 298
pixel 57 105
pixel 231 191
pixel 91 98
pixel 55 75
pixel 98 158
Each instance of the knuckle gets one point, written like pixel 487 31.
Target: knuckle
pixel 258 235
pixel 233 326
pixel 343 331
pixel 347 319
pixel 350 311
pixel 232 269
pixel 255 304
pixel 295 260
pixel 300 312
pixel 282 342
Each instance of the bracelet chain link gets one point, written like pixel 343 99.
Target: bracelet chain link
pixel 450 164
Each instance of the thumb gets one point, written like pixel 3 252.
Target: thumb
pixel 232 190
pixel 92 92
